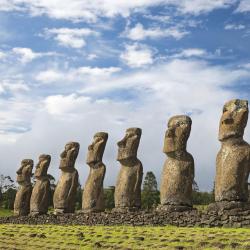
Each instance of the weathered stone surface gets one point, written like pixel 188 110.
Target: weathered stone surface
pixel 233 159
pixel 237 218
pixel 128 185
pixel 65 192
pixel 222 206
pixel 178 171
pixel 22 200
pixel 93 197
pixel 41 192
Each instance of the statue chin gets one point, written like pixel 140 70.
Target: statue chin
pixel 20 179
pixel 227 131
pixel 93 160
pixel 66 168
pixel 229 135
pixel 126 159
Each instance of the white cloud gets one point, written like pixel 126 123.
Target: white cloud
pixel 26 54
pixel 74 74
pixel 8 5
pixel 138 33
pixel 159 18
pixel 74 38
pixel 246 66
pixel 15 118
pixel 191 52
pixel 234 27
pixel 197 7
pixel 92 56
pixel 65 105
pixel 2 55
pixel 14 86
pixel 91 10
pixel 244 6
pixel 137 55
pixel 1 89
pixel 95 71
pixel 49 76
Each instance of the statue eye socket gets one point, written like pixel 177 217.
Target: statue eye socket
pixel 99 139
pixel 178 124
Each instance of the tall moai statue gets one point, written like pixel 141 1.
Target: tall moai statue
pixel 93 197
pixel 178 171
pixel 233 159
pixel 41 192
pixel 22 200
pixel 128 185
pixel 66 189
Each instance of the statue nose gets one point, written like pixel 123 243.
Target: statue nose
pixel 19 171
pixel 63 154
pixel 170 133
pixel 228 120
pixel 121 143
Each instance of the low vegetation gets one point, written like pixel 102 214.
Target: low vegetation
pixel 5 212
pixel 120 237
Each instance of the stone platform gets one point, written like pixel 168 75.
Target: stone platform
pixel 237 217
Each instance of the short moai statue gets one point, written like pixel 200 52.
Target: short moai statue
pixel 93 197
pixel 233 159
pixel 22 200
pixel 41 192
pixel 178 171
pixel 128 185
pixel 66 189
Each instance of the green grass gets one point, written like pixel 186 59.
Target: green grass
pixel 120 237
pixel 5 212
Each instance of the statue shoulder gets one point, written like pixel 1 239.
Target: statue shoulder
pixel 190 157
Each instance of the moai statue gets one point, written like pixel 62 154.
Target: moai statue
pixel 65 192
pixel 39 201
pixel 22 200
pixel 233 159
pixel 128 185
pixel 93 197
pixel 178 171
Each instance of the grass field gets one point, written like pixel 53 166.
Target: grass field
pixel 120 237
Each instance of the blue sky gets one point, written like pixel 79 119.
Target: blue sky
pixel 70 68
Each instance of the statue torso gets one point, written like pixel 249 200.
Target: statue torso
pixel 93 190
pixel 40 195
pixel 66 183
pixel 128 187
pixel 232 171
pixel 22 200
pixel 177 180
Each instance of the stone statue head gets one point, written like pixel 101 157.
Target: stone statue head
pixel 24 173
pixel 69 155
pixel 177 134
pixel 42 166
pixel 128 146
pixel 96 148
pixel 233 120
